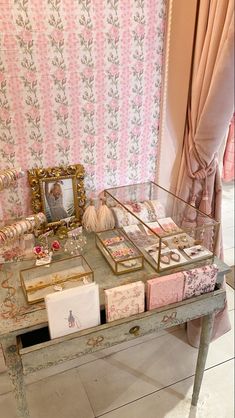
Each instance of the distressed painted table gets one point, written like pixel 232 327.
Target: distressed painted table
pixel 18 318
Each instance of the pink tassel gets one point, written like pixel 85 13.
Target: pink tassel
pixel 90 220
pixel 105 217
pixel 204 205
pixel 190 215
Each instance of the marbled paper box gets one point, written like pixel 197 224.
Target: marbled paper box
pixel 200 280
pixel 165 290
pixel 124 301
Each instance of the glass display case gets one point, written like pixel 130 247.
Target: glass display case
pixel 39 281
pixel 121 254
pixel 169 232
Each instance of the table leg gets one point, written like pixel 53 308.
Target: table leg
pixel 15 371
pixel 207 324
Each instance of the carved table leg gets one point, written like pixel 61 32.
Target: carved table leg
pixel 207 324
pixel 15 371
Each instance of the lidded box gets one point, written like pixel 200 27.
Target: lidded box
pixel 169 232
pixel 121 254
pixel 39 281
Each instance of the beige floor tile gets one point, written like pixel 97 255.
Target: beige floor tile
pixel 5 383
pixel 132 373
pixel 229 256
pixel 135 372
pixel 8 406
pixel 228 237
pixel 222 349
pixel 228 219
pixel 2 361
pixel 59 396
pixel 230 297
pixel 216 399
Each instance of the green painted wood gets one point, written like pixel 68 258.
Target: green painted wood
pixel 85 342
pixel 17 317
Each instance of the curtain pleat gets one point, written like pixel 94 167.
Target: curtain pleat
pixel 210 108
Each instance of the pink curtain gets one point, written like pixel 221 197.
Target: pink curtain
pixel 210 109
pixel 228 159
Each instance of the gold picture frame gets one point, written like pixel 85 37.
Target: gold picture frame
pixel 58 192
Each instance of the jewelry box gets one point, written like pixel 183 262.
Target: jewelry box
pixel 39 281
pixel 169 232
pixel 121 254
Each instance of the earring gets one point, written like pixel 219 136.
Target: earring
pixel 165 259
pixel 195 251
pixel 182 246
pixel 174 256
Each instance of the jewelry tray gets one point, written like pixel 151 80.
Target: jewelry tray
pixel 151 216
pixel 121 254
pixel 39 281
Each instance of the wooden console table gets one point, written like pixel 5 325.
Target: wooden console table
pixel 18 318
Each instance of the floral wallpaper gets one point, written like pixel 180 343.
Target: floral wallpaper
pixel 80 82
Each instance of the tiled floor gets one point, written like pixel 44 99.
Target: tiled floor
pixel 149 377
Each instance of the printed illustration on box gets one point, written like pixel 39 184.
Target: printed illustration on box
pixel 124 301
pixel 73 310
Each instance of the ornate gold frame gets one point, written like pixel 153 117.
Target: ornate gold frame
pixel 37 176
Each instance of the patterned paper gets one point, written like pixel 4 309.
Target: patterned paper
pixel 200 280
pixel 80 81
pixel 124 301
pixel 165 290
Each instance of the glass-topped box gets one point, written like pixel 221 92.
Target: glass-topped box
pixel 39 281
pixel 169 232
pixel 121 254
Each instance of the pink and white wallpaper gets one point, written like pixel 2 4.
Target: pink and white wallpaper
pixel 80 82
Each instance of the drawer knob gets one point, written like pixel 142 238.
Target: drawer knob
pixel 135 330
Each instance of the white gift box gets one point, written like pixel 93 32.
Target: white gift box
pixel 73 309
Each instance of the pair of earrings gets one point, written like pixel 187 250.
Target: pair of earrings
pixel 181 242
pixel 99 219
pixel 167 257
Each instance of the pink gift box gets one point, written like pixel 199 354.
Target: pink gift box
pixel 124 301
pixel 165 290
pixel 200 280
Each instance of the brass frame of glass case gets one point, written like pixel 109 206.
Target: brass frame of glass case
pixel 204 233
pixel 44 273
pixel 118 266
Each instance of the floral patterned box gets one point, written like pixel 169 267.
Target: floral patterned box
pixel 124 301
pixel 200 280
pixel 119 251
pixel 39 281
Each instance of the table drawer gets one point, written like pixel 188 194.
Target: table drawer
pixel 66 348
